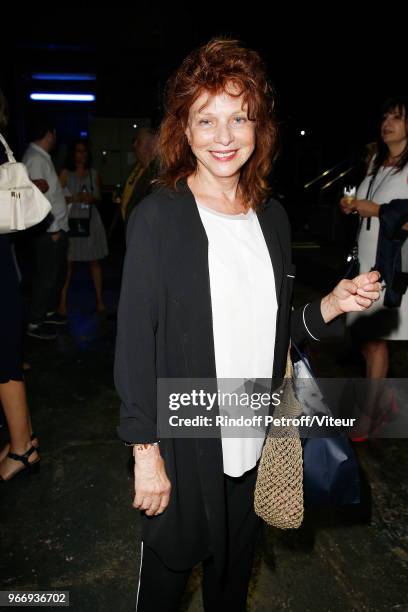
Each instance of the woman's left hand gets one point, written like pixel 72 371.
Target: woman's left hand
pixel 88 198
pixel 351 295
pixel 365 208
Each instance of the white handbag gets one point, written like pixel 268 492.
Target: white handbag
pixel 22 204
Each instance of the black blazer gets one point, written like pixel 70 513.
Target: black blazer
pixel 388 261
pixel 165 330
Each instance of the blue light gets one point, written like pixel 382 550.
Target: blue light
pixel 83 134
pixel 62 97
pixel 56 76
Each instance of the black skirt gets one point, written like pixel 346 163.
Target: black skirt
pixel 11 316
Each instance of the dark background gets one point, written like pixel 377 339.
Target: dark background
pixel 330 67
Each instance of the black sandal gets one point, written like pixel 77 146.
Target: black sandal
pixel 32 438
pixel 29 467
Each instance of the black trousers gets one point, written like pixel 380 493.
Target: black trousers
pixel 161 588
pixel 50 270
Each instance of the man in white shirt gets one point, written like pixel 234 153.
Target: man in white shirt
pixel 51 241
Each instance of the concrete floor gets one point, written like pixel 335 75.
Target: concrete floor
pixel 72 526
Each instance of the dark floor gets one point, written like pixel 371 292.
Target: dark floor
pixel 72 526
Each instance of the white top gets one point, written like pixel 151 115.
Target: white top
pixel 244 308
pixel 40 166
pixel 386 186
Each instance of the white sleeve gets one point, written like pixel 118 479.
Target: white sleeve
pixel 36 168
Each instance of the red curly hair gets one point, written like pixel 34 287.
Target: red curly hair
pixel 213 68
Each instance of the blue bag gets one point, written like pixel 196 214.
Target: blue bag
pixel 331 474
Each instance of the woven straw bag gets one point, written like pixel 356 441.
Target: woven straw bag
pixel 278 497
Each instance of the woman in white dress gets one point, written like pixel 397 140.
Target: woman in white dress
pixel 386 180
pixel 82 186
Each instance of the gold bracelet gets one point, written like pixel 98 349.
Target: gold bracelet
pixel 142 447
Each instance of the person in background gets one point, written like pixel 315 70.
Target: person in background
pixel 20 454
pixel 50 240
pixel 144 172
pixel 82 186
pixel 386 180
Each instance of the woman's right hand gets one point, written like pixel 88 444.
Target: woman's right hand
pixel 347 205
pixel 152 487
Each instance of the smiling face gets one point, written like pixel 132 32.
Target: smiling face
pixel 394 127
pixel 220 134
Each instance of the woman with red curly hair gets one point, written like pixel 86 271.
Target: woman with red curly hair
pixel 206 294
